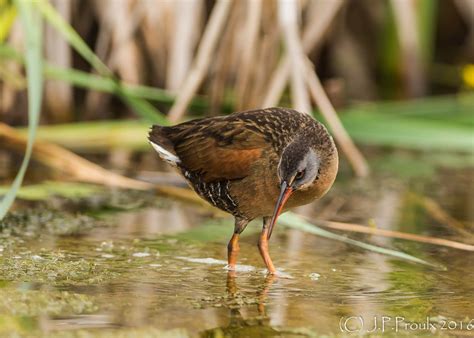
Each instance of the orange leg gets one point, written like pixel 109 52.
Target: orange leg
pixel 263 248
pixel 233 249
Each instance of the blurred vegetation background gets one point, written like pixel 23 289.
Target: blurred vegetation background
pixel 164 61
pixel 363 51
pixel 81 81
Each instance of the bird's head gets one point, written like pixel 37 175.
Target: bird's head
pixel 299 166
pixel 299 169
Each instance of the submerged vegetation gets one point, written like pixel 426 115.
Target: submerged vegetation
pixel 34 222
pixel 31 303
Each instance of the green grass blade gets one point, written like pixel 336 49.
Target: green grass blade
pixel 99 83
pixel 147 111
pixel 294 221
pixel 398 131
pixel 103 84
pixel 71 36
pixel 444 123
pixel 449 108
pixel 131 94
pixel 49 189
pixel 32 26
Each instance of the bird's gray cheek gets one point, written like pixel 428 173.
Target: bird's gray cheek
pixel 307 185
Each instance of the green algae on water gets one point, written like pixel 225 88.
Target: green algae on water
pixel 55 267
pixel 30 303
pixel 33 222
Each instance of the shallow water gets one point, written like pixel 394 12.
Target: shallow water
pixel 160 271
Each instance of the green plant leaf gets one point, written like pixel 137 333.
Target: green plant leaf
pixel 397 131
pixel 145 109
pixel 71 36
pixel 435 123
pixel 48 189
pixel 294 221
pixel 32 26
pixel 100 83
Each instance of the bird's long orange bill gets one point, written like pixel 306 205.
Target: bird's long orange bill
pixel 285 193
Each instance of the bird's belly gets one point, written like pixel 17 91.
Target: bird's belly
pixel 255 197
pixel 254 204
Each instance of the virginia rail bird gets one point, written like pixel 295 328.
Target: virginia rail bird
pixel 252 164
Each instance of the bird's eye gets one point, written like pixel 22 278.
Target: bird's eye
pixel 299 175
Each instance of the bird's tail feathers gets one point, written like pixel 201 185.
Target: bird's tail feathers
pixel 163 145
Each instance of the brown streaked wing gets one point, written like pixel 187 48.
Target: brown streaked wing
pixel 223 149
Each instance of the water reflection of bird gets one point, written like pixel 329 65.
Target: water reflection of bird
pixel 252 164
pixel 251 325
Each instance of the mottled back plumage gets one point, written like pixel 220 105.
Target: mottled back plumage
pixel 215 154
